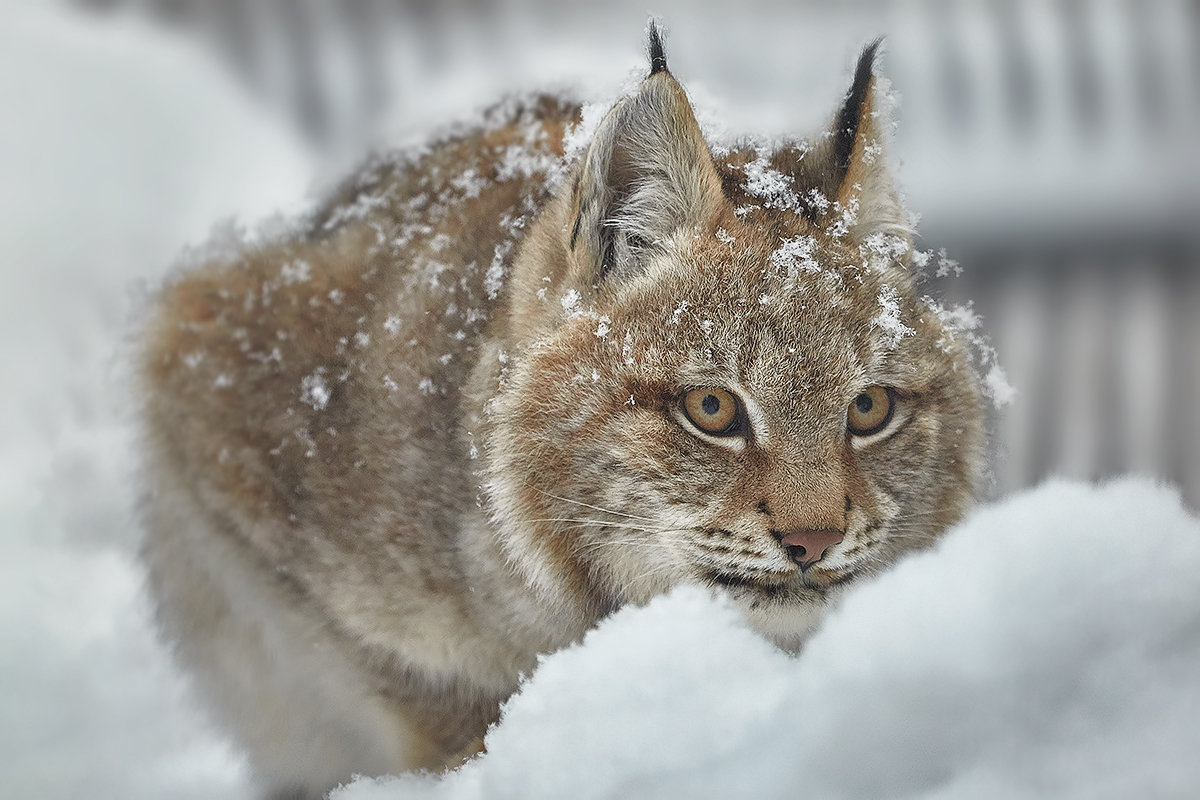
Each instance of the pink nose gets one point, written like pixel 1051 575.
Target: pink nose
pixel 807 546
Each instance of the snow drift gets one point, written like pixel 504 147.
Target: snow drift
pixel 1049 646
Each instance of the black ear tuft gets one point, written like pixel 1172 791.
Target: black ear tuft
pixel 658 59
pixel 846 129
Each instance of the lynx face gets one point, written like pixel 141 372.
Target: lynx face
pixel 725 388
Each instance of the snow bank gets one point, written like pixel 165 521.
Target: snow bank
pixel 1050 646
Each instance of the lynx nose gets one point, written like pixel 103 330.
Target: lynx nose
pixel 808 545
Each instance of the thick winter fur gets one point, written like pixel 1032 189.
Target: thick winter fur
pixel 438 431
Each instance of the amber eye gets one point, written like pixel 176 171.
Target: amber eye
pixel 870 412
pixel 712 410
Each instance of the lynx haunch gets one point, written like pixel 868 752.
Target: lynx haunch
pixel 487 394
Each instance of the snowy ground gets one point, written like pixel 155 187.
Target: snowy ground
pixel 1049 647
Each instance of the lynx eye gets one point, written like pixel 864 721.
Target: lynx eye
pixel 871 411
pixel 712 410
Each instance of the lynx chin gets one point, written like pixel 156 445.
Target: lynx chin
pixel 496 388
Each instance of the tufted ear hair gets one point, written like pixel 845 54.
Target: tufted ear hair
pixel 647 176
pixel 850 164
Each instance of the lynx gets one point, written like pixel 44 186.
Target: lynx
pixel 495 389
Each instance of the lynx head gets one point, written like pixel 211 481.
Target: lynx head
pixel 718 372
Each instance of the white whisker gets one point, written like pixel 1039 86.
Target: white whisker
pixel 596 508
pixel 632 543
pixel 599 523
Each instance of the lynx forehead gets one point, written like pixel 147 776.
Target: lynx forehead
pixel 489 393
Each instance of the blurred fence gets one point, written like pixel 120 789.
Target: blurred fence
pixel 1053 147
pixel 1050 145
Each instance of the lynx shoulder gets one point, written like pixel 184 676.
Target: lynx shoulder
pixel 489 393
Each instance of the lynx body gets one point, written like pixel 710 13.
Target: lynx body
pixel 486 395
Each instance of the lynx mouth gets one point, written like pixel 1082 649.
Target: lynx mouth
pixel 730 581
pixel 808 582
pixel 827 579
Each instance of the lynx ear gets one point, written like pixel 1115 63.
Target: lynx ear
pixel 857 174
pixel 647 176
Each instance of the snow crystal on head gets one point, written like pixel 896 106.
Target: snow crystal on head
pixel 846 219
pixel 774 188
pixel 793 256
pixel 571 302
pixel 888 320
pixel 677 314
pixel 963 325
pixel 817 199
pixel 885 247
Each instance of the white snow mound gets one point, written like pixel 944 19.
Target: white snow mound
pixel 1048 647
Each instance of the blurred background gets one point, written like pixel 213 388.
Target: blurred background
pixel 1049 147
